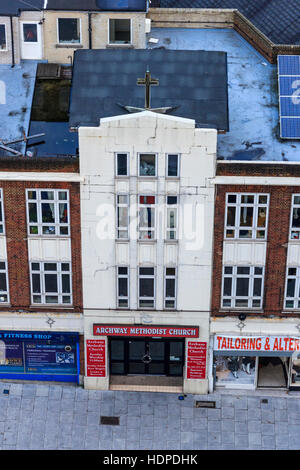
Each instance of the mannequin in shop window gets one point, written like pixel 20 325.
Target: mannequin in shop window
pixel 233 366
pixel 248 363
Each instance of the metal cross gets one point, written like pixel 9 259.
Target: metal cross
pixel 147 82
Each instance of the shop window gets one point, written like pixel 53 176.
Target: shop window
pixel 48 212
pixel 235 370
pixel 242 287
pixel 172 211
pixel 146 217
pixel 3 45
pixel 119 31
pixel 68 30
pixel 122 216
pixel 51 283
pixel 122 164
pixel 295 218
pixel 147 164
pixel 146 287
pixel 172 165
pixel 292 289
pixel 246 216
pixel 30 32
pixel 170 288
pixel 123 286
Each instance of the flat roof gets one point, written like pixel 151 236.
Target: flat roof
pixel 97 5
pixel 193 83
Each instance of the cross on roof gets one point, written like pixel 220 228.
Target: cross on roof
pixel 147 82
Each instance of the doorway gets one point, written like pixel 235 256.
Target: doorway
pixel 31 41
pixel 146 356
pixel 273 372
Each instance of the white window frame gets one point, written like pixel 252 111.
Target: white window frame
pixel 139 165
pixel 173 277
pixel 56 201
pixel 233 297
pixel 69 43
pixel 142 228
pixel 178 166
pixel 123 276
pixel 5 31
pixel 295 299
pixel 119 43
pixel 147 276
pixel 43 294
pixel 170 207
pixel 238 207
pixel 4 292
pixel 120 228
pixel 2 221
pixel 127 164
pixel 296 230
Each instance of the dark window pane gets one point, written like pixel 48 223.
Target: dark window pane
pixel 246 217
pixel 36 285
pixel 2 265
pixel 231 216
pixel 30 32
pixel 50 266
pixel 171 200
pixel 176 351
pixel 35 266
pixel 262 217
pixel 123 287
pixel 66 283
pixel 170 271
pixel 147 271
pixel 296 217
pixel 48 214
pixel 122 164
pixel 51 283
pixel 228 270
pixel 291 288
pixel 257 287
pixel 2 37
pixel 227 286
pixel 65 266
pixel 3 286
pixel 32 212
pixel 170 287
pixel 246 199
pixel 243 270
pixel 173 165
pixel 136 350
pixel 119 31
pixel 231 198
pixel 146 287
pixel 122 270
pixel 63 213
pixel 117 368
pixel 117 350
pixel 69 30
pixel 147 165
pixel 242 287
pixel 47 195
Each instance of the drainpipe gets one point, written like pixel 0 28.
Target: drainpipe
pixel 12 43
pixel 90 29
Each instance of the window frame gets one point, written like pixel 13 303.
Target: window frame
pixel 174 277
pixel 139 165
pixel 147 276
pixel 43 294
pixel 56 201
pixel 5 35
pixel 238 206
pixel 2 222
pixel 127 164
pixel 175 229
pixel 119 43
pixel 250 297
pixel 178 166
pixel 123 276
pixel 120 228
pixel 291 229
pixel 69 43
pixel 5 292
pixel 146 229
pixel 294 299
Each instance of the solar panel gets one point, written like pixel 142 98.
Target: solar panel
pixel 128 5
pixel 289 96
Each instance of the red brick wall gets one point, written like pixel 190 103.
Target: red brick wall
pixel 17 250
pixel 277 239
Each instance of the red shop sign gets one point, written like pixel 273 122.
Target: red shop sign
pixel 95 354
pixel 196 360
pixel 142 330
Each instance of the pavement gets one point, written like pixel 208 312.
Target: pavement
pixel 37 416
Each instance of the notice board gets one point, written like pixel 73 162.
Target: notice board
pixel 196 360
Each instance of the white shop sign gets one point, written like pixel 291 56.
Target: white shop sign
pixel 256 343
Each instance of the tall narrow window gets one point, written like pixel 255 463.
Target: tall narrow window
pixel 295 218
pixel 292 289
pixel 119 31
pixel 68 30
pixel 4 298
pixel 172 165
pixel 1 214
pixel 3 46
pixel 172 210
pixel 146 288
pixel 122 216
pixel 242 286
pixel 122 164
pixel 48 212
pixel 51 283
pixel 170 288
pixel 246 216
pixel 147 217
pixel 122 286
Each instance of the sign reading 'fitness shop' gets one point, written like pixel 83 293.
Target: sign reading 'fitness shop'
pixel 152 331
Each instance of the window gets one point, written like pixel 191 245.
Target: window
pixel 122 287
pixel 30 32
pixel 172 165
pixel 246 216
pixel 146 287
pixel 119 31
pixel 147 217
pixel 3 283
pixel 171 218
pixel 147 164
pixel 122 216
pixel 292 290
pixel 1 214
pixel 51 283
pixel 48 212
pixel 242 286
pixel 69 30
pixel 295 218
pixel 2 37
pixel 122 164
pixel 170 288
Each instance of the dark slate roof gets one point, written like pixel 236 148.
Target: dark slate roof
pixel 97 5
pixel 193 81
pixel 278 20
pixel 13 7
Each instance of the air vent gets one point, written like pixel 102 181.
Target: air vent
pixel 110 420
pixel 205 404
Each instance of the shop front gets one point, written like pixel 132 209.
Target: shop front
pixel 134 356
pixel 256 362
pixel 39 355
